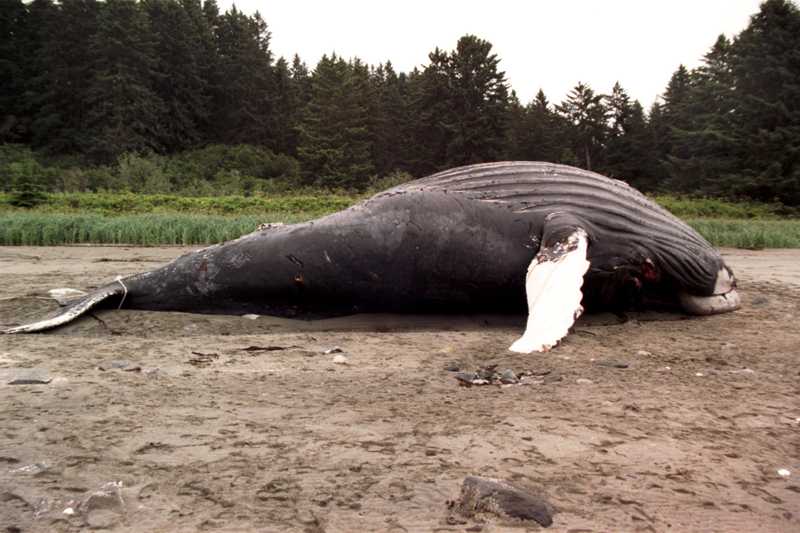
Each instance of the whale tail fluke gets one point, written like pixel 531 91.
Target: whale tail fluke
pixel 553 288
pixel 73 310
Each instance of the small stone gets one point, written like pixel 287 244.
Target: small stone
pixel 108 498
pixel 748 371
pixel 541 371
pixel 762 300
pixel 481 382
pixel 333 349
pixel 31 377
pixel 494 497
pixel 191 328
pixel 553 379
pixel 466 376
pixel 417 381
pixel 124 366
pixel 584 381
pixel 340 360
pixel 451 368
pixel 157 373
pixel 485 373
pixel 509 376
pixel 644 353
pixel 613 364
pixel 783 472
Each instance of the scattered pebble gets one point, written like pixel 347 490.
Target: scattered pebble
pixel 124 366
pixel 644 353
pixel 340 360
pixel 553 379
pixel 762 300
pixel 468 377
pixel 446 350
pixel 485 497
pixel 31 377
pixel 333 349
pixel 157 373
pixel 451 368
pixel 509 376
pixel 614 364
pixel 783 472
pixel 584 381
pixel 699 375
pixel 541 371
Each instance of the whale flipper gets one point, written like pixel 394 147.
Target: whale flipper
pixel 553 287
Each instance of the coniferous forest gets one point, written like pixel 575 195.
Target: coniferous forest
pixel 175 96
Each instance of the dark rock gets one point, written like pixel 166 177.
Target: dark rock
pixel 541 371
pixel 509 376
pixel 762 300
pixel 31 377
pixel 483 498
pixel 613 364
pixel 486 374
pixel 124 366
pixel 553 378
pixel 466 376
pixel 451 368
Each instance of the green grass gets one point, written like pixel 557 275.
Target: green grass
pixel 37 229
pixel 159 219
pixel 749 233
pixel 108 204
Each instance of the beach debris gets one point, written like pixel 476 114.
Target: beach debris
pixel 31 377
pixel 203 359
pixel 613 364
pixel 485 499
pixel 34 469
pixel 123 366
pixel 333 349
pixel 783 472
pixel 340 360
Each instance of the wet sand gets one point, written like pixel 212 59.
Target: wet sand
pixel 210 435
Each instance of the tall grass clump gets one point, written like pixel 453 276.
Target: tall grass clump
pixel 43 229
pixel 749 233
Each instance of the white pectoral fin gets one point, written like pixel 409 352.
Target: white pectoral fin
pixel 554 293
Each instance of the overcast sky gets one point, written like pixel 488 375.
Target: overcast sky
pixel 548 44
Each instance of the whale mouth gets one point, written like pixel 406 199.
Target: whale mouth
pixel 709 305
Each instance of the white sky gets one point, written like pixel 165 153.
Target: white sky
pixel 548 44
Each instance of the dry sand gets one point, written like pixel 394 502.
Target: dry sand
pixel 690 437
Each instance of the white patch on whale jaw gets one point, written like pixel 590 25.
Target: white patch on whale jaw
pixel 709 305
pixel 553 287
pixel 725 282
pixel 724 299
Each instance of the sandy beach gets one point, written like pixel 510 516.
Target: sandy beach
pixel 241 424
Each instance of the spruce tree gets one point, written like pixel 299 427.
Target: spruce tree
pixel 124 107
pixel 177 75
pixel 334 139
pixel 588 115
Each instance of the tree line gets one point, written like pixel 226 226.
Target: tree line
pixel 91 82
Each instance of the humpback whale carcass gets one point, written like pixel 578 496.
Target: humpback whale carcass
pixel 474 239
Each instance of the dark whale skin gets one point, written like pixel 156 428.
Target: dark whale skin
pixel 459 241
